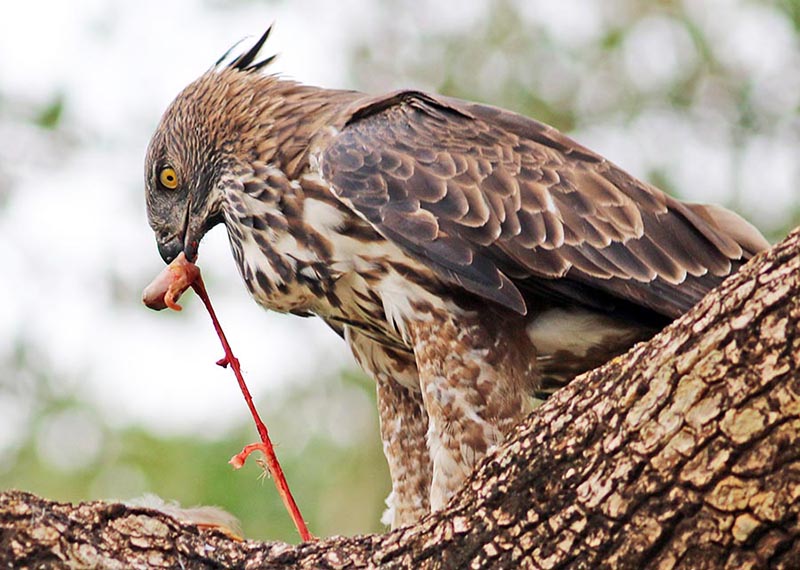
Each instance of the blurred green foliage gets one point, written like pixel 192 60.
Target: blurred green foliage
pixel 337 475
pixel 792 10
pixel 50 115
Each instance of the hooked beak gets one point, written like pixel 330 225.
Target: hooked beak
pixel 169 250
pixel 195 226
pixel 186 241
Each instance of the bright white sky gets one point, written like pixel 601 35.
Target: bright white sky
pixel 74 238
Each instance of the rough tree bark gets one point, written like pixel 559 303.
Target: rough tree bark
pixel 683 453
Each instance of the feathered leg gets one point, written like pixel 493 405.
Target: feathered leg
pixel 404 423
pixel 475 377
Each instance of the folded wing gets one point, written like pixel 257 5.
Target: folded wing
pixel 507 207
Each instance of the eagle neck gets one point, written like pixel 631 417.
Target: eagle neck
pixel 298 114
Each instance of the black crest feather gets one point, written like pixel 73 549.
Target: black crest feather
pixel 245 62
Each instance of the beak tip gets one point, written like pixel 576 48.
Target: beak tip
pixel 190 251
pixel 170 250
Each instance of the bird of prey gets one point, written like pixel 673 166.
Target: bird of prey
pixel 469 256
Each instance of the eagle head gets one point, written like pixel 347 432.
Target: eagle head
pixel 183 170
pixel 203 143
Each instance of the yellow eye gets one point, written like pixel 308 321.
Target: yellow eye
pixel 168 178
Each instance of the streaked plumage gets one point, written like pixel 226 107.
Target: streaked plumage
pixel 471 257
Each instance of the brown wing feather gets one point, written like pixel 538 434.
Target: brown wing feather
pixel 499 203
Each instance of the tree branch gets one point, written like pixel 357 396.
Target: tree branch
pixel 683 453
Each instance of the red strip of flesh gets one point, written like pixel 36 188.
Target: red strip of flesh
pixel 163 292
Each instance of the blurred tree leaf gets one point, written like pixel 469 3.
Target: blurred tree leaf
pixel 792 9
pixel 50 115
